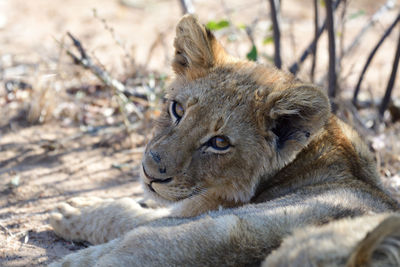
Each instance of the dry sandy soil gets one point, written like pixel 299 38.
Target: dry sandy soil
pixel 63 137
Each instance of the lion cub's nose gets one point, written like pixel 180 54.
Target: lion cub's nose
pixel 154 167
pixel 152 179
pixel 155 156
pixel 157 159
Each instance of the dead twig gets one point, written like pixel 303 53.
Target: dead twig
pixel 119 89
pixel 371 22
pixel 114 36
pixel 250 34
pixel 277 34
pixel 159 40
pixel 332 50
pixel 6 230
pixel 341 36
pixel 187 6
pixel 371 56
pixel 374 18
pixel 295 66
pixel 392 79
pixel 314 49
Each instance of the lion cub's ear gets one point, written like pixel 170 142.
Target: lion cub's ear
pixel 196 49
pixel 292 116
pixel 381 247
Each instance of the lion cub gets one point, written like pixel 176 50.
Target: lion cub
pixel 242 155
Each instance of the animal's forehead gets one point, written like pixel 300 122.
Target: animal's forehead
pixel 222 87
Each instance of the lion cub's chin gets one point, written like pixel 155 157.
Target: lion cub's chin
pixel 199 204
pixel 193 205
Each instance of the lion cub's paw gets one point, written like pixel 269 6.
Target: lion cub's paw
pixel 70 220
pixel 66 221
pixel 97 220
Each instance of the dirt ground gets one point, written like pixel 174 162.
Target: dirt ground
pixel 61 134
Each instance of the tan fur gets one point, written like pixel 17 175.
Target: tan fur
pixel 380 247
pixel 290 164
pixel 371 240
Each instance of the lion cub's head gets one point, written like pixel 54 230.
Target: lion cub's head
pixel 227 123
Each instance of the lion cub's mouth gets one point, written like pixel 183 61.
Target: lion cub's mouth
pixel 150 180
pixel 167 192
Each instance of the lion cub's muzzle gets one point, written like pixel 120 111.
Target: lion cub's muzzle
pixel 153 169
pixel 149 180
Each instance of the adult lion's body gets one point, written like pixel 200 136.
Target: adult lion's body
pixel 243 154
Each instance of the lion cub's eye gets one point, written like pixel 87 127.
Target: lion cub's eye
pixel 219 143
pixel 176 110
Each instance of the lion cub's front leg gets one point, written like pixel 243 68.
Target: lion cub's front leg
pixel 100 220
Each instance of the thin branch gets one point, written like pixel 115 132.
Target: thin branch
pixel 115 37
pixel 119 89
pixel 250 31
pixel 392 80
pixel 5 229
pixel 277 34
pixel 374 18
pixel 332 50
pixel 371 56
pixel 342 36
pixel 187 6
pixel 314 49
pixel 295 67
